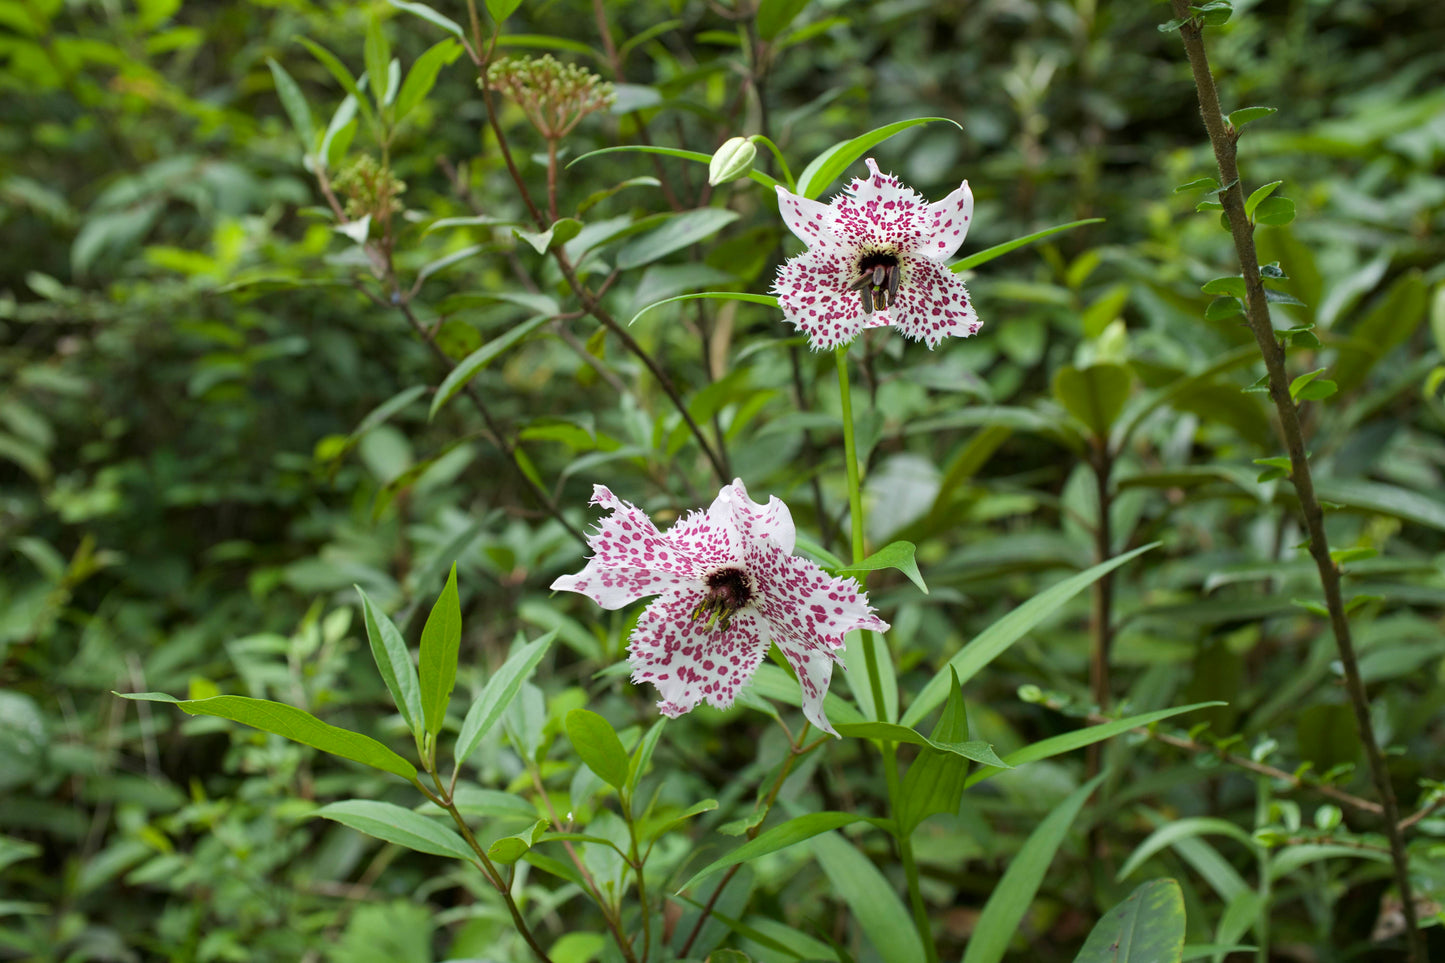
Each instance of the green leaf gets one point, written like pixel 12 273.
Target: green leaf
pixel 1259 194
pixel 295 104
pixel 1095 395
pixel 1389 323
pixel 935 781
pixel 1069 741
pixel 1221 308
pixel 1297 384
pixel 292 723
pixel 377 54
pixel 393 660
pixel 642 754
pixel 1188 828
pixel 827 166
pixel 774 16
pixel 872 898
pixel 1214 13
pixel 479 359
pixel 1316 390
pixel 559 233
pixel 422 76
pixel 691 155
pixel 1147 927
pixel 782 836
pixel 978 751
pixel 396 824
pixel 343 77
pixel 1230 286
pixel 1274 212
pixel 498 694
pixel 431 16
pixel 1013 894
pixel 597 744
pixel 999 250
pixel 502 9
pixel 1238 118
pixel 1284 297
pixel 897 555
pixel 1198 184
pixel 511 848
pixel 679 231
pixel 992 641
pixel 767 299
pixel 1385 499
pixel 441 640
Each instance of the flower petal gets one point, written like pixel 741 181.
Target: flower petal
pixel 632 559
pixel 814 668
pixel 878 211
pixel 812 290
pixel 689 662
pixel 772 521
pixel 932 303
pixel 946 224
pixel 813 222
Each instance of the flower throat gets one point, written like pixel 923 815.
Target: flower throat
pixel 879 284
pixel 728 589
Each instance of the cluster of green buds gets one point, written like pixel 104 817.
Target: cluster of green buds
pixel 554 95
pixel 370 189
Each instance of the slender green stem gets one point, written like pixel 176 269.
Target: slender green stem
pixel 870 658
pixel 1261 818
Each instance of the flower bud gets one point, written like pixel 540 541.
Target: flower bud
pixel 731 161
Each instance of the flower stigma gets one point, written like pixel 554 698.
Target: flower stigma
pixel 728 589
pixel 879 282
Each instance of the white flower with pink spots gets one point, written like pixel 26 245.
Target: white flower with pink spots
pixel 875 257
pixel 727 584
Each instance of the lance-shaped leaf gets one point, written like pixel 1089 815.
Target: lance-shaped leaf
pixel 782 836
pixel 825 168
pixel 294 724
pixel 596 742
pixel 396 824
pixel 498 694
pixel 393 660
pixel 1147 927
pixel 441 639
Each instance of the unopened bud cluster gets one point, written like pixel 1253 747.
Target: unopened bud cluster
pixel 370 188
pixel 554 95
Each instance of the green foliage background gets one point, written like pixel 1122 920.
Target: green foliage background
pixel 186 499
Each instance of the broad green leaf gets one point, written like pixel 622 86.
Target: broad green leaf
pixel 292 723
pixel 1238 118
pixel 393 660
pixel 422 76
pixel 479 359
pixel 396 824
pixel 498 693
pixel 376 51
pixel 691 155
pixel 1256 196
pixel 872 898
pixel 1296 857
pixel 782 836
pixel 441 640
pixel 899 555
pixel 1147 927
pixel 431 16
pixel 502 9
pixel 295 104
pixel 827 166
pixel 1014 893
pixel 679 231
pixel 1221 308
pixel 1232 286
pixel 343 77
pixel 999 250
pixel 597 744
pixel 993 640
pixel 935 781
pixel 511 848
pixel 1095 395
pixel 774 16
pixel 1385 499
pixel 1172 832
pixel 978 751
pixel 767 299
pixel 1388 324
pixel 1274 212
pixel 1069 741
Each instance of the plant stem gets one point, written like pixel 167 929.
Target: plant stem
pixel 1223 138
pixel 1101 597
pixel 870 659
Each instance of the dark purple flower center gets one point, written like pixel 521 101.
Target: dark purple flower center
pixel 728 589
pixel 878 280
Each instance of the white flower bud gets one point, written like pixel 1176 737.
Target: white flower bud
pixel 731 161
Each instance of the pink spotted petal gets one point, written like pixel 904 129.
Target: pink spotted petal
pixel 811 221
pixel 932 303
pixel 631 559
pixel 812 290
pixel 772 521
pixel 688 662
pixel 814 668
pixel 807 608
pixel 946 224
pixel 878 211
pixel 710 538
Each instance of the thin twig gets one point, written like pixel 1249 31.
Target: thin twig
pixel 1223 138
